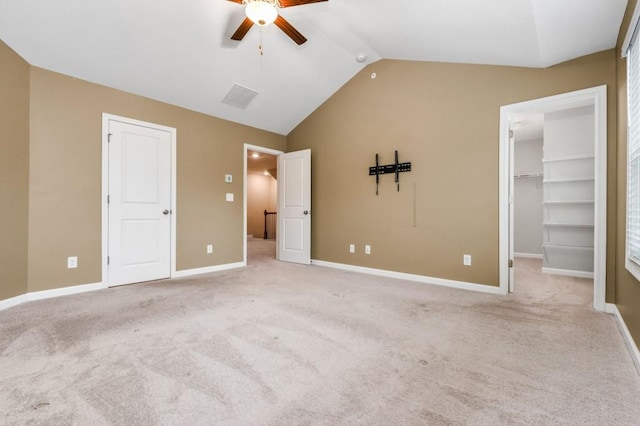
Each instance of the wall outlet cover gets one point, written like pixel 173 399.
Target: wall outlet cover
pixel 209 248
pixel 72 262
pixel 229 196
pixel 367 249
pixel 352 248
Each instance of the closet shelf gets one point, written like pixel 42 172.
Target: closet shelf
pixel 528 175
pixel 567 247
pixel 567 225
pixel 567 180
pixel 569 202
pixel 569 158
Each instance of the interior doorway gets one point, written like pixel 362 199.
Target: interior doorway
pixel 553 201
pixel 593 99
pixel 261 201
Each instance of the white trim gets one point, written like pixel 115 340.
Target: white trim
pixel 596 96
pixel 409 277
pixel 528 255
pixel 208 269
pixel 263 150
pixel 14 301
pixel 626 335
pixel 48 294
pixel 64 291
pixel 567 273
pixel 633 24
pixel 105 186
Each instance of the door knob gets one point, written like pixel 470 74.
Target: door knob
pixel 306 212
pixel 165 212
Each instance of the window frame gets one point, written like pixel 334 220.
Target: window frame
pixel 631 51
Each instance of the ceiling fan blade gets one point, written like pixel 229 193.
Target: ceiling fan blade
pixel 288 3
pixel 288 29
pixel 242 29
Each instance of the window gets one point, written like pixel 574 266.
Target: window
pixel 632 51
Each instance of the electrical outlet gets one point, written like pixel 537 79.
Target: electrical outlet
pixel 72 262
pixel 229 196
pixel 466 260
pixel 209 248
pixel 367 249
pixel 352 248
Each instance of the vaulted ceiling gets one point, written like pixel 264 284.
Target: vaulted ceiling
pixel 180 52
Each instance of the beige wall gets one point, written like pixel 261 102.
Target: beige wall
pixel 65 178
pixel 444 118
pixel 261 196
pixel 627 287
pixel 14 172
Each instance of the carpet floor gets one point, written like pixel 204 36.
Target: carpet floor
pixel 278 343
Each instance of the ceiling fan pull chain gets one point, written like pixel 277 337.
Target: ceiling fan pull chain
pixel 260 44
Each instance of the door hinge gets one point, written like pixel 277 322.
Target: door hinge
pixel 510 263
pixel 108 260
pixel 109 137
pixel 108 199
pixel 510 134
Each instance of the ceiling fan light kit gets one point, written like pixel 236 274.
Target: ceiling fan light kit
pixel 261 12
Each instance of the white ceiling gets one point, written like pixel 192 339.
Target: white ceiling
pixel 179 51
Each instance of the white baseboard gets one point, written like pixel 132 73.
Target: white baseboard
pixel 409 277
pixel 568 273
pixel 14 301
pixel 631 344
pixel 528 255
pixel 47 294
pixel 208 269
pixel 64 291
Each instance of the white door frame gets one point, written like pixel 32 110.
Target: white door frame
pixel 105 187
pixel 596 96
pixel 256 148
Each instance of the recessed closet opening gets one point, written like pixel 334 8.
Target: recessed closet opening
pixel 553 202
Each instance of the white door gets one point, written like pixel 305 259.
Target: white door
pixel 294 207
pixel 139 209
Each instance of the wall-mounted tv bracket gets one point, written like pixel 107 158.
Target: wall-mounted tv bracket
pixel 395 168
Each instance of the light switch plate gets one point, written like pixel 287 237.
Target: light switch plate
pixel 228 178
pixel 229 196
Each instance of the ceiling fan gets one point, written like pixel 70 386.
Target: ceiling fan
pixel 265 12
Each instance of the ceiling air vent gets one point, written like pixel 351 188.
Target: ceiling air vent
pixel 239 96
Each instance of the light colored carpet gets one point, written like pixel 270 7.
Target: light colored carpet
pixel 277 343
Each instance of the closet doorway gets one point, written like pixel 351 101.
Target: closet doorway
pixel 553 205
pixel 572 174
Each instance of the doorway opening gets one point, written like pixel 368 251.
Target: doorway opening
pixel 553 201
pixel 261 202
pixel 573 222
